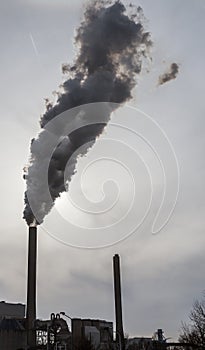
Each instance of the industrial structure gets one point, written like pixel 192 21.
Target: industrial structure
pixel 18 332
pixel 31 287
pixel 10 310
pixel 53 333
pixel 118 302
pixel 98 332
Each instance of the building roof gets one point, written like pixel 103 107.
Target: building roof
pixel 11 310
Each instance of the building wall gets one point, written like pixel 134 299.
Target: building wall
pixel 93 335
pixel 12 340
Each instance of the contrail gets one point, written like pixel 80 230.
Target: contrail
pixel 34 45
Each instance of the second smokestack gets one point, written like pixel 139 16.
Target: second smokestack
pixel 118 302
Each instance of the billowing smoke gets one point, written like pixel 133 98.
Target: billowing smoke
pixel 170 74
pixel 111 47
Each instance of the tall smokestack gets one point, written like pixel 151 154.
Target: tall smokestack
pixel 118 302
pixel 31 288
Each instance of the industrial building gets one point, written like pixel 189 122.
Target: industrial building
pixel 139 343
pixel 9 310
pixel 12 326
pixel 98 332
pixel 53 333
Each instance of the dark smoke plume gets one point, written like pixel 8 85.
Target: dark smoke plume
pixel 170 74
pixel 111 47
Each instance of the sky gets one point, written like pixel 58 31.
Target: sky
pixel 161 273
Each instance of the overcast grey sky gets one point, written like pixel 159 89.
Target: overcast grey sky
pixel 161 274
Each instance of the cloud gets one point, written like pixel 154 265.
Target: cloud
pixel 170 74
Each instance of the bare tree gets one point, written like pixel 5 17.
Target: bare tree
pixel 194 332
